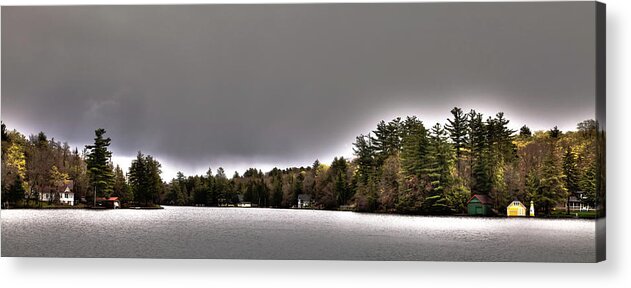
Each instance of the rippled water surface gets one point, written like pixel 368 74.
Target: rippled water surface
pixel 249 233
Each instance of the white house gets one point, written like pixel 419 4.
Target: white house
pixel 304 200
pixel 578 202
pixel 66 196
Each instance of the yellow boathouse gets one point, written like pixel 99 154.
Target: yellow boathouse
pixel 516 209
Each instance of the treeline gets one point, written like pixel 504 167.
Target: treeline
pixel 328 186
pixel 35 165
pixel 400 167
pixel 405 167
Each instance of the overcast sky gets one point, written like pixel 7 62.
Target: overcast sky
pixel 281 85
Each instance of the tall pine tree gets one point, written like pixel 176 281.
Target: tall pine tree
pixel 440 161
pixel 478 144
pixel 457 128
pixel 365 156
pixel 98 160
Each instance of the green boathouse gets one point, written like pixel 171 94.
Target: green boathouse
pixel 480 205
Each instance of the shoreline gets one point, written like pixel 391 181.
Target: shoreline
pixel 162 207
pixel 83 208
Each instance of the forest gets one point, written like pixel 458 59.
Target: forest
pixel 402 166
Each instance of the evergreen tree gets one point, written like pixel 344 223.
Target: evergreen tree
pixel 440 163
pixel 155 185
pixel 98 164
pixel 364 154
pixel 145 181
pixel 277 190
pixel 441 158
pixel 121 188
pixel 501 154
pixel 339 176
pixel 221 186
pixel 16 191
pixel 138 178
pixel 316 164
pixel 532 185
pixel 387 140
pixel 570 170
pixel 415 147
pixel 524 132
pixel 298 184
pixel 552 187
pixel 5 136
pixel 555 133
pixel 177 194
pixel 457 128
pixel 480 154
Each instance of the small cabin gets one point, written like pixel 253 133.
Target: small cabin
pixel 480 205
pixel 304 200
pixel 515 209
pixel 110 202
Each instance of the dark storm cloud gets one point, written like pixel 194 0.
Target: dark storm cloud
pixel 285 84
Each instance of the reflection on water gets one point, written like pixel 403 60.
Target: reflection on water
pixel 249 233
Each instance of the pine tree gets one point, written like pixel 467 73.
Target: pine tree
pixel 277 190
pixel 387 140
pixel 552 187
pixel 414 148
pixel 555 133
pixel 532 185
pixel 479 154
pixel 145 181
pixel 364 154
pixel 570 170
pixel 457 129
pixel 5 136
pixel 339 176
pixel 154 180
pixel 16 191
pixel 414 162
pixel 121 188
pixel 98 164
pixel 440 161
pixel 316 164
pixel 138 180
pixel 524 132
pixel 501 153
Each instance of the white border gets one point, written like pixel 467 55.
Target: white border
pixel 52 272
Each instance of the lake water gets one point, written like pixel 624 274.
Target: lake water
pixel 250 233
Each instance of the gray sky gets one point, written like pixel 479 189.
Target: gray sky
pixel 281 85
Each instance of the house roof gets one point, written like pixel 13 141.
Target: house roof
pixel 574 199
pixel 516 202
pixel 67 184
pixel 106 199
pixel 484 199
pixel 304 197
